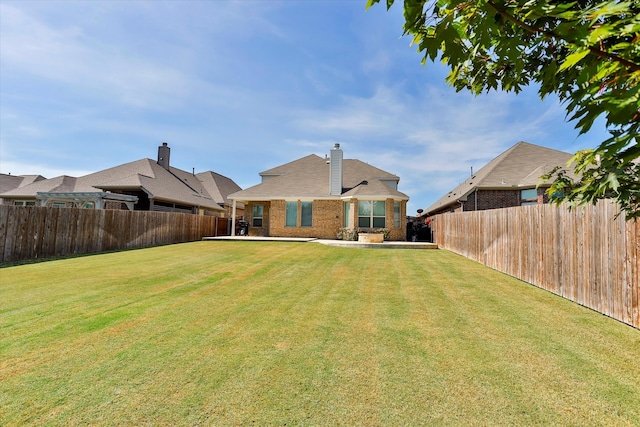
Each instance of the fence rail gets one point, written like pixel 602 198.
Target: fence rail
pixel 42 232
pixel 583 255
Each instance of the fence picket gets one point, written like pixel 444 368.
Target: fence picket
pixel 44 232
pixel 584 254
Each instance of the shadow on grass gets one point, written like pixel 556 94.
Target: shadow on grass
pixel 70 256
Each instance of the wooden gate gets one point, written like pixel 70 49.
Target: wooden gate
pixel 222 227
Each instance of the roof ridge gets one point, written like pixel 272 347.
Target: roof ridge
pixel 496 161
pixel 183 181
pixel 507 166
pixel 213 173
pixel 285 165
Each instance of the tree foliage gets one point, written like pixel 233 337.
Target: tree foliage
pixel 586 52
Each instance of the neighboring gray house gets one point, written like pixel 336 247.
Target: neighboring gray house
pixel 510 179
pixel 140 185
pixel 316 197
pixel 10 182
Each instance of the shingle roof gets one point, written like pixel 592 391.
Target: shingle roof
pixel 308 178
pixel 173 185
pixel 10 182
pixel 62 183
pixel 518 167
pixel 218 186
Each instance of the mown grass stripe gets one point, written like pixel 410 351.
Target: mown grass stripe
pixel 237 333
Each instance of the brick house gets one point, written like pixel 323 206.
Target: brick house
pixel 140 185
pixel 510 179
pixel 316 197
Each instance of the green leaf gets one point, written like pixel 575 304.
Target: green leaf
pixel 573 59
pixel 585 52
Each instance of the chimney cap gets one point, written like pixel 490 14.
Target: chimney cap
pixel 336 145
pixel 164 144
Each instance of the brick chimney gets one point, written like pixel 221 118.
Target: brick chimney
pixel 163 155
pixel 335 171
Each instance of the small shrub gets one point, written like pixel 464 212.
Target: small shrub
pixel 347 234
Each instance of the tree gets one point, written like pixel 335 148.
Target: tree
pixel 587 52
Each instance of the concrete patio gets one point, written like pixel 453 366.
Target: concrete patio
pixel 328 242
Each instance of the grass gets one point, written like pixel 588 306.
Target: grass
pixel 265 333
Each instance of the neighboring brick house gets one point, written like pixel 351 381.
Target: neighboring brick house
pixel 140 185
pixel 316 197
pixel 511 179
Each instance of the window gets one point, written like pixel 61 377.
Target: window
pixel 291 214
pixel 59 205
pixel 307 214
pixel 396 214
pixel 23 203
pixel 347 213
pixel 557 194
pixel 364 214
pixel 379 214
pixel 529 197
pixel 160 206
pixel 371 214
pixel 258 213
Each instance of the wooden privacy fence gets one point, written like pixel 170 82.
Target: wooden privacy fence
pixel 583 255
pixel 43 232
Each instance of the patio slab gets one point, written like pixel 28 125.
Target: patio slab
pixel 329 242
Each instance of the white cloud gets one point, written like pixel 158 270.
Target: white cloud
pixel 239 87
pixel 379 61
pixel 354 115
pixel 69 56
pixel 115 70
pixel 46 170
pixel 430 138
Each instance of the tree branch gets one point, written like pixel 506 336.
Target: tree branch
pixel 533 30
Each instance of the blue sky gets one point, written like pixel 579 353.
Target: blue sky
pixel 239 87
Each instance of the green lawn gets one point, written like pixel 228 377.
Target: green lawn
pixel 267 333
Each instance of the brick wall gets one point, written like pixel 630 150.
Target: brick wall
pixel 327 219
pixel 542 196
pixel 396 233
pixel 228 211
pixel 248 213
pixel 115 205
pixel 492 199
